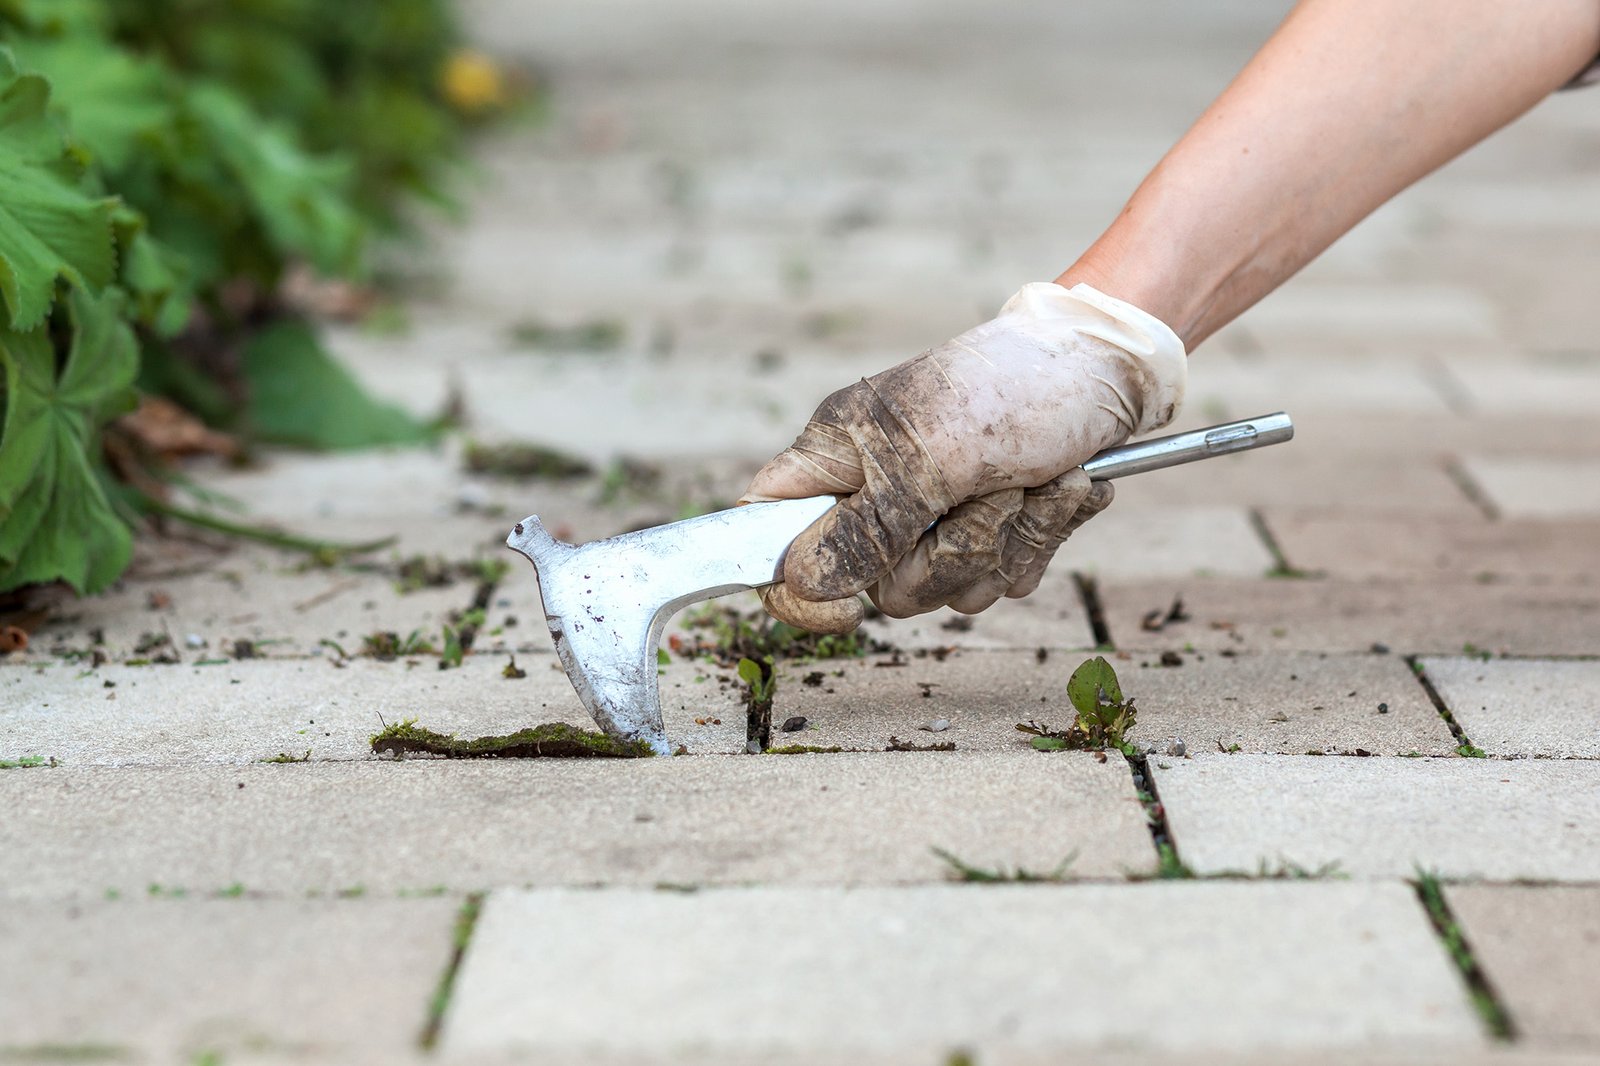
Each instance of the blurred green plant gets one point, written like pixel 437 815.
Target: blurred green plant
pixel 164 166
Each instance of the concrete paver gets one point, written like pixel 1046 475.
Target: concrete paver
pixel 1290 703
pixel 1371 546
pixel 993 969
pixel 813 819
pixel 1540 486
pixel 1351 616
pixel 1540 947
pixel 1385 817
pixel 1177 541
pixel 1523 707
pixel 170 980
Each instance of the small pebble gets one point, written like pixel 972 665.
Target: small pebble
pixel 1177 748
pixel 795 724
pixel 1171 658
pixel 938 725
pixel 1380 648
pixel 752 747
pixel 1383 708
pixel 195 640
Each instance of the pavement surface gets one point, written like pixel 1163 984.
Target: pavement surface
pixel 1361 818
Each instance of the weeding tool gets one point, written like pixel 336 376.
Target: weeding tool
pixel 607 602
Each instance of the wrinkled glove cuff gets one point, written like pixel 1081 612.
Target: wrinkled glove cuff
pixel 1149 342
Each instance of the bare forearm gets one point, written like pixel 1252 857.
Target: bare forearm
pixel 1349 102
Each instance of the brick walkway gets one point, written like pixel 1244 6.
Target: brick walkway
pixel 769 201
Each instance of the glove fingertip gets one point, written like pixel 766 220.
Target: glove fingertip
pixel 813 616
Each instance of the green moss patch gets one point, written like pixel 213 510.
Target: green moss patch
pixel 553 740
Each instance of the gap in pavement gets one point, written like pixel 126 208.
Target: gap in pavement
pixel 1464 744
pixel 461 936
pixel 1462 478
pixel 1485 999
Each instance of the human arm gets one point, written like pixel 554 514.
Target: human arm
pixel 1349 102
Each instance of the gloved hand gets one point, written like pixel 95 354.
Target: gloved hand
pixel 982 433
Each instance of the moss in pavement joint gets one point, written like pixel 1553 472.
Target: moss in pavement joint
pixel 553 740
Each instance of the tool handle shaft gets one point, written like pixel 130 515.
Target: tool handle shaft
pixel 1180 448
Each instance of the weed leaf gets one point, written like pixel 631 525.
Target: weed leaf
pixel 1092 685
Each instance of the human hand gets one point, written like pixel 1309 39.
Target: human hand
pixel 982 434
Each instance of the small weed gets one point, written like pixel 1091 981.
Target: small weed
pixel 233 891
pixel 1494 1016
pixel 1471 751
pixel 761 682
pixel 285 757
pixel 1472 651
pixel 1104 716
pixel 965 871
pixel 387 645
pixel 513 672
pixel 595 335
pixel 461 936
pixel 1169 867
pixel 453 651
pixel 733 635
pixel 27 762
pixel 524 461
pixel 156 891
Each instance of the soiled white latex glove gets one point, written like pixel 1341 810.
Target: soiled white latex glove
pixel 984 434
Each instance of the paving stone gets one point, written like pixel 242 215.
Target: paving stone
pixel 1339 615
pixel 264 598
pixel 1540 947
pixel 1400 312
pixel 1290 703
pixel 1150 541
pixel 1547 487
pixel 244 712
pixel 1535 707
pixel 1242 387
pixel 1386 817
pixel 170 980
pixel 1326 462
pixel 1533 386
pixel 931 969
pixel 820 819
pixel 1420 547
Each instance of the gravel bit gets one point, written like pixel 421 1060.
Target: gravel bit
pixel 938 725
pixel 794 725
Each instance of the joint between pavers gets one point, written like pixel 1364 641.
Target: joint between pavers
pixel 1169 866
pixel 1468 486
pixel 1485 999
pixel 466 924
pixel 1464 745
pixel 1089 593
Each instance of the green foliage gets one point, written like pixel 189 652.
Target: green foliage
pixel 1104 716
pixel 961 870
pixel 551 740
pixel 56 520
pixel 163 163
pixel 299 395
pixel 51 225
pixel 761 678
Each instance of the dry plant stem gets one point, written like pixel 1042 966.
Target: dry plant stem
pixel 257 533
pixel 1348 103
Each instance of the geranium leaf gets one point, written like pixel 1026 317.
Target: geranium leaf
pixel 49 228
